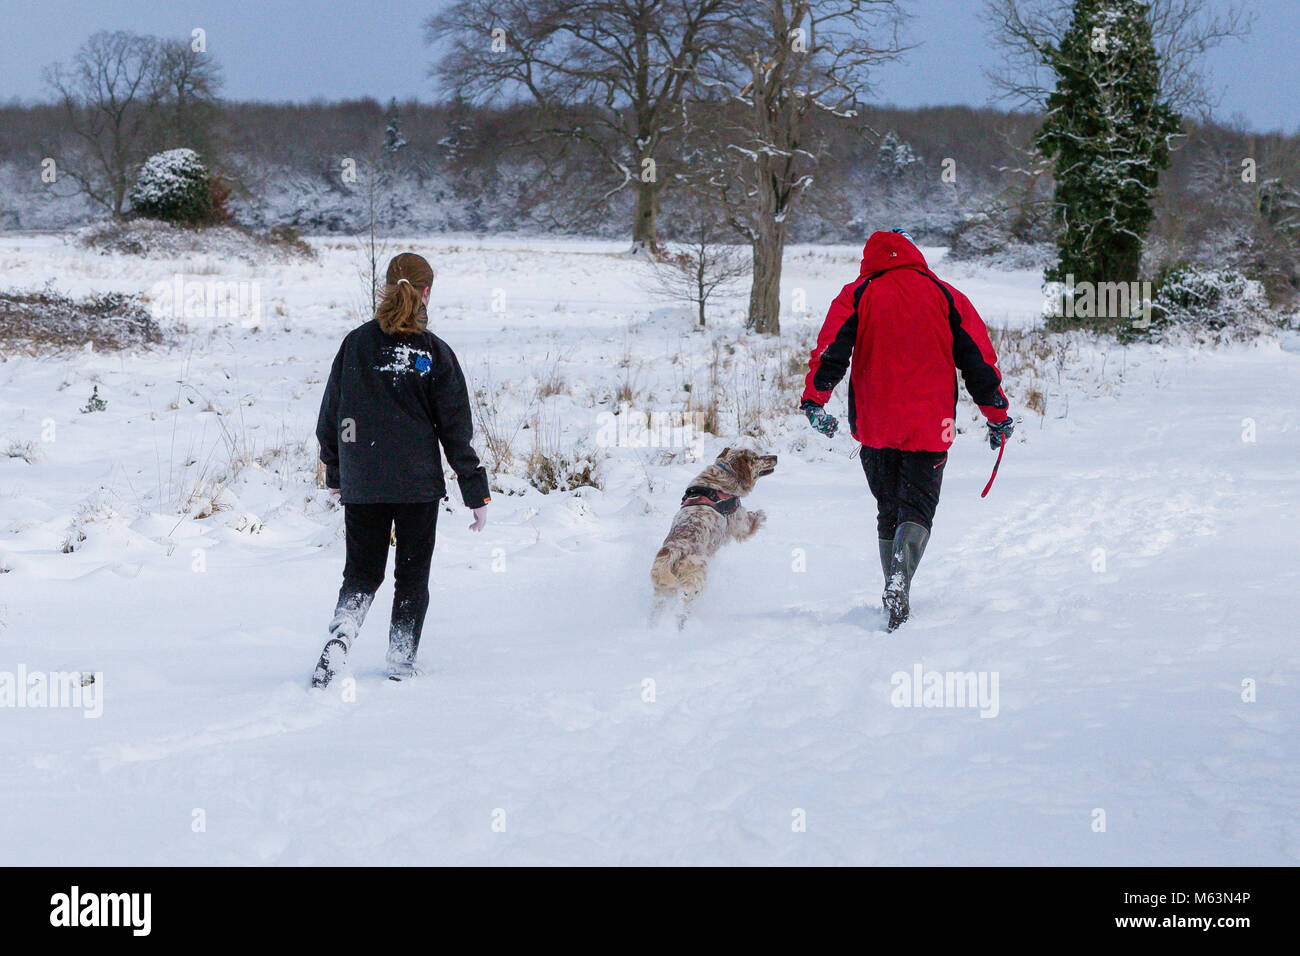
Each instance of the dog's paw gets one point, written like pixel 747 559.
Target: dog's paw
pixel 757 519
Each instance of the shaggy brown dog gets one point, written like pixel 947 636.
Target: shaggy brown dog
pixel 710 514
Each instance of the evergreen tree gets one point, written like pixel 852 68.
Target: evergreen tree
pixel 174 186
pixel 894 157
pixel 394 138
pixel 1107 131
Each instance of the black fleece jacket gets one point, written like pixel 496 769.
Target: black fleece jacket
pixel 389 402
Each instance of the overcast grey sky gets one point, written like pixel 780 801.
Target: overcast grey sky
pixel 300 50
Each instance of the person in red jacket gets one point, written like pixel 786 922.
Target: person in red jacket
pixel 907 333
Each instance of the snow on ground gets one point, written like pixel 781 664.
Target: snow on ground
pixel 1134 564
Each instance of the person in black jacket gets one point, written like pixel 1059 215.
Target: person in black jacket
pixel 395 392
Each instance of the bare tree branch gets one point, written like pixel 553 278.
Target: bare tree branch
pixel 610 74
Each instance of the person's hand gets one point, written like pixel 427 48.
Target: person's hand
pixel 480 518
pixel 998 431
pixel 820 419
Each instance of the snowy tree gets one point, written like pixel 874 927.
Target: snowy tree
pixel 705 265
pixel 1108 131
pixel 458 140
pixel 1182 31
pixel 394 138
pixel 174 186
pixel 1279 204
pixel 107 93
pixel 610 76
pixel 788 66
pixel 187 104
pixel 894 157
pixel 1112 78
pixel 123 96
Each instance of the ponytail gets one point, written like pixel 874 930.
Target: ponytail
pixel 400 307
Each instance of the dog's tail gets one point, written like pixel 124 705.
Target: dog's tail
pixel 674 569
pixel 662 572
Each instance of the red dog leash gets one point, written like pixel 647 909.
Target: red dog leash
pixel 1002 446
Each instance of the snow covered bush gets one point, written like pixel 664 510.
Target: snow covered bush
pixel 550 470
pixel 175 186
pixel 45 321
pixel 555 464
pixel 94 403
pixel 27 451
pixel 1222 302
pixel 151 239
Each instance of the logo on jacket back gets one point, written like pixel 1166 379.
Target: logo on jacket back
pixel 405 359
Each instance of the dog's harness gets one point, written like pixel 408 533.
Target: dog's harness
pixel 719 501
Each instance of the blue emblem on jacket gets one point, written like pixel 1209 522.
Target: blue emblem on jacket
pixel 422 364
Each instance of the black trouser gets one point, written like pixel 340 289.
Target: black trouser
pixel 905 484
pixel 368 528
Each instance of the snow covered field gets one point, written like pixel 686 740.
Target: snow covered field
pixel 1135 563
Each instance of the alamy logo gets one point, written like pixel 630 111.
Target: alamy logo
pixel 75 908
pixel 215 301
pixel 53 689
pixel 632 428
pixel 922 688
pixel 1073 299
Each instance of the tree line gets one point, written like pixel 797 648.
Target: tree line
pixel 713 120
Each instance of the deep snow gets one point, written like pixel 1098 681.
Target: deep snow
pixel 530 739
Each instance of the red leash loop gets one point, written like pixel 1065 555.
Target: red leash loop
pixel 1002 446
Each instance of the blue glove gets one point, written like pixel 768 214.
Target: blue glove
pixel 820 419
pixel 998 430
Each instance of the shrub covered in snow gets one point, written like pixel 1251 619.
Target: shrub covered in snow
pixel 557 470
pixel 46 321
pixel 175 186
pixel 151 239
pixel 1222 302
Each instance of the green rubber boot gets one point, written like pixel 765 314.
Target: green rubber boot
pixel 905 554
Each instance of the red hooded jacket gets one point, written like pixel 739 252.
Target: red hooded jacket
pixel 907 332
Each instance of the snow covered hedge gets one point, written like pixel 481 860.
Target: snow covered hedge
pixel 175 186
pixel 1221 302
pixel 150 238
pixel 44 321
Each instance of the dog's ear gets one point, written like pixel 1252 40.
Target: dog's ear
pixel 723 454
pixel 744 468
